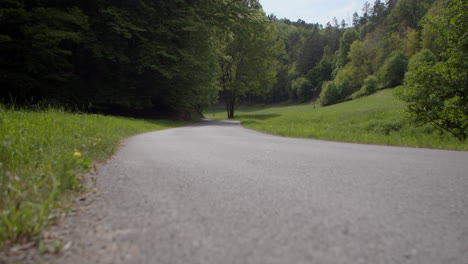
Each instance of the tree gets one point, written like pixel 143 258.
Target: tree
pixel 350 78
pixel 37 41
pixel 343 24
pixel 370 86
pixel 425 56
pixel 356 20
pixel 393 70
pixel 407 13
pixel 329 94
pixel 378 11
pixel 411 42
pixel 429 35
pixel 111 55
pixel 312 52
pixel 437 92
pixel 153 55
pixel 320 72
pixel 302 88
pixel 247 57
pixel 349 36
pixel 366 9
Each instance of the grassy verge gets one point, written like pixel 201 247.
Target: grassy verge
pixel 376 119
pixel 42 154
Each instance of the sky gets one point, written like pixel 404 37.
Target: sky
pixel 314 11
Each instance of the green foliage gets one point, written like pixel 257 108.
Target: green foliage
pixel 308 53
pixel 370 86
pixel 350 78
pixel 437 93
pixel 374 50
pixel 344 85
pixel 42 154
pixel 108 54
pixel 312 52
pixel 411 42
pixel 329 94
pixel 425 57
pixel 357 69
pixel 349 36
pixel 407 13
pixel 279 92
pixel 393 70
pixel 36 48
pixel 302 88
pixel 430 38
pixel 247 58
pixel 320 73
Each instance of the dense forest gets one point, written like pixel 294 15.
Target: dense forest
pixel 168 57
pixel 174 58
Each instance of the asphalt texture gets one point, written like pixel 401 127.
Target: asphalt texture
pixel 218 193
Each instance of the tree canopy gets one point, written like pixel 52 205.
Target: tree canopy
pixel 109 54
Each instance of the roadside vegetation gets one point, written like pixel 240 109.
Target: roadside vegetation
pixel 376 119
pixel 43 154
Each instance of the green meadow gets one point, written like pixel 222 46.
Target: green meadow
pixel 376 119
pixel 43 154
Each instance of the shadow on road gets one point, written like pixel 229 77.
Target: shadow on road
pixel 218 123
pixel 258 117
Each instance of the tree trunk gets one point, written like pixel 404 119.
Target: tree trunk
pixel 229 99
pixel 231 111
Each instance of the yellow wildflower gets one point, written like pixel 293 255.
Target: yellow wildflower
pixel 77 154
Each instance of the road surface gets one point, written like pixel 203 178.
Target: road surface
pixel 218 193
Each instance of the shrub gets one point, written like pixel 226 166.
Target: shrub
pixel 425 56
pixel 393 70
pixel 302 88
pixel 385 128
pixel 344 88
pixel 329 94
pixel 370 86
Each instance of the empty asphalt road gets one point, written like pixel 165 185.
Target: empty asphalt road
pixel 216 193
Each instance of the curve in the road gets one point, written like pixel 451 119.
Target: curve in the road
pixel 218 193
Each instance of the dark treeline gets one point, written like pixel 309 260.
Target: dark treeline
pixel 114 55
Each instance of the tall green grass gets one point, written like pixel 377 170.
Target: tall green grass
pixel 42 154
pixel 376 119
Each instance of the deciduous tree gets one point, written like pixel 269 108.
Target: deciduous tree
pixel 437 92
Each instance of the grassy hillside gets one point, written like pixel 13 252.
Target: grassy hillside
pixel 376 119
pixel 42 154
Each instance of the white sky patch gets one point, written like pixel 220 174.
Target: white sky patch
pixel 314 11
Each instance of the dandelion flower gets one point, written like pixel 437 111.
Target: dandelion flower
pixel 77 154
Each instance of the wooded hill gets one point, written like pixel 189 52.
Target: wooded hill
pixel 422 44
pixel 376 45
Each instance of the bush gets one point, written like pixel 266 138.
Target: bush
pixel 435 97
pixel 329 94
pixel 370 86
pixel 302 89
pixel 385 128
pixel 436 92
pixel 344 88
pixel 425 56
pixel 335 91
pixel 393 70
